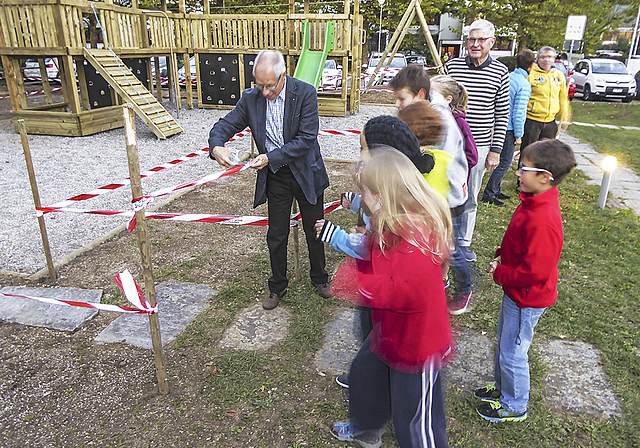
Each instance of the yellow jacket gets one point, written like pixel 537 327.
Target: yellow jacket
pixel 549 95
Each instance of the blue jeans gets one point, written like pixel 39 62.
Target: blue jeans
pixel 506 158
pixel 515 333
pixel 459 263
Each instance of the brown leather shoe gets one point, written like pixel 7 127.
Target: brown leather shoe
pixel 324 289
pixel 272 300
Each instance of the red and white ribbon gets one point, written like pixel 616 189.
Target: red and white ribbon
pixel 196 217
pixel 129 287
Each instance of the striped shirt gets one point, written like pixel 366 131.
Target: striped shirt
pixel 488 87
pixel 275 121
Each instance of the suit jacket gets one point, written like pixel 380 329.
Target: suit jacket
pixel 300 151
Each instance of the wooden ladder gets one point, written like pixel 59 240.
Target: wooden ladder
pixel 127 85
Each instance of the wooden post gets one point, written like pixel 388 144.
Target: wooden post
pixel 187 80
pixel 145 249
pixel 427 36
pixel 45 81
pixel 296 245
pixel 36 198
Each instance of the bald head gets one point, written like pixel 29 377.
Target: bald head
pixel 269 61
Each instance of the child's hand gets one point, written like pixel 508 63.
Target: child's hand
pixel 346 199
pixel 494 265
pixel 318 226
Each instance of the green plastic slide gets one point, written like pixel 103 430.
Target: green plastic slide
pixel 311 63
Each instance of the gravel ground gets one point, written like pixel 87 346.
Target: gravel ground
pixel 68 166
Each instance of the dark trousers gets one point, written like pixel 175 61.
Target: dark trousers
pixel 378 393
pixel 538 130
pixel 282 188
pixel 493 187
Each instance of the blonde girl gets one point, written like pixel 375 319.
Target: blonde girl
pixel 396 373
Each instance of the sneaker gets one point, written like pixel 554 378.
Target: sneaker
pixel 503 197
pixel 487 393
pixel 342 432
pixel 469 255
pixel 343 380
pixel 460 304
pixel 493 201
pixel 494 412
pixel 446 282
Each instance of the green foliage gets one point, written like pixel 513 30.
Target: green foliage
pixel 509 61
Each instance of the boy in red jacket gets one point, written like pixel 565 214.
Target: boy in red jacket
pixel 526 266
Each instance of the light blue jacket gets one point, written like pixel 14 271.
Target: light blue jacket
pixel 519 94
pixel 353 244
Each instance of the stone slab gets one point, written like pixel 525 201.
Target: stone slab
pixel 342 340
pixel 48 315
pixel 178 305
pixel 257 329
pixel 575 372
pixel 473 366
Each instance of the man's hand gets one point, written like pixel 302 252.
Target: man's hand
pixel 222 156
pixel 493 159
pixel 259 162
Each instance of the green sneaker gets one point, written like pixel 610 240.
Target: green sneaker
pixel 494 412
pixel 487 393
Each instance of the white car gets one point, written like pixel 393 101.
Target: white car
pixel 331 74
pixel 398 63
pixel 604 78
pixel 32 69
pixel 192 68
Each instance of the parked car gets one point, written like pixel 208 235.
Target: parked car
pixel 397 63
pixel 571 83
pixel 416 60
pixel 331 74
pixel 32 69
pixel 162 61
pixel 604 78
pixel 192 68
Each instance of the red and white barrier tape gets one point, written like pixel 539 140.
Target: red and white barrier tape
pixel 194 217
pixel 129 287
pixel 115 186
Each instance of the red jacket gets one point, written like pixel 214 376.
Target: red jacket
pixel 531 250
pixel 411 325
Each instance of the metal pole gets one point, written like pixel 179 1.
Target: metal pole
pixel 145 246
pixel 380 27
pixel 604 189
pixel 36 198
pixel 634 44
pixel 570 55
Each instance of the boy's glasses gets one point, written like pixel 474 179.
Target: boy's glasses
pixel 530 168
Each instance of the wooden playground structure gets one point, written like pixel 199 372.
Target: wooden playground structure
pixel 95 81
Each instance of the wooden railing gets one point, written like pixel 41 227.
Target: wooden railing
pixel 51 27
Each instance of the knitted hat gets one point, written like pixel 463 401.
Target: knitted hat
pixel 392 131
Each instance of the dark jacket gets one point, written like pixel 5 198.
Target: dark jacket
pixel 300 151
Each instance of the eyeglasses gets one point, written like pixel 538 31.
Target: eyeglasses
pixel 530 168
pixel 271 87
pixel 480 40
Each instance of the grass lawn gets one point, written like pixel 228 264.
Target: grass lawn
pixel 599 275
pixel 621 143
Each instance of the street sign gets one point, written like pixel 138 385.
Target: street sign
pixel 575 27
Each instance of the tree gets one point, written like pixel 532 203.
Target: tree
pixel 537 23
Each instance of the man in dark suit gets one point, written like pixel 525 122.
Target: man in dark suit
pixel 282 113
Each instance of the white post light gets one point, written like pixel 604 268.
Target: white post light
pixel 608 165
pixel 381 3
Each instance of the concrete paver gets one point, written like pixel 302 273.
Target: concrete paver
pixel 178 305
pixel 47 315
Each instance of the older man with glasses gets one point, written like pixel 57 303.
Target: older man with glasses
pixel 487 82
pixel 282 113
